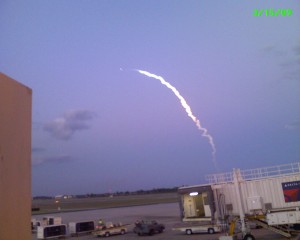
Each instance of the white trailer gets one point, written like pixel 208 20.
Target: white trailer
pixel 51 231
pixel 272 193
pixel 45 221
pixel 48 220
pixel 77 228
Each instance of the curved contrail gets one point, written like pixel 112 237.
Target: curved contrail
pixel 188 111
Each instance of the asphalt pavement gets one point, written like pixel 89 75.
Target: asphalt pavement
pixel 168 214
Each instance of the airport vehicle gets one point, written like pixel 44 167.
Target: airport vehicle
pixel 34 224
pixel 268 197
pixel 77 228
pixel 148 227
pixel 51 231
pixel 111 229
pixel 46 221
pixel 191 228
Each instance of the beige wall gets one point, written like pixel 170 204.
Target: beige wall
pixel 15 160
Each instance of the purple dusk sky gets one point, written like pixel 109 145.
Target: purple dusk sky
pixel 97 128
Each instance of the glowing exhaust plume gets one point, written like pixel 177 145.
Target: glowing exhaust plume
pixel 188 111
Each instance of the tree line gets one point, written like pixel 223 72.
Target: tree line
pixel 118 193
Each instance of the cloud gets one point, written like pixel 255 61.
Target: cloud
pixel 63 128
pixel 293 126
pixel 55 159
pixel 296 50
pixel 293 67
pixel 289 60
pixel 272 51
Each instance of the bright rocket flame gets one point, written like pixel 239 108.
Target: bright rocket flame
pixel 187 109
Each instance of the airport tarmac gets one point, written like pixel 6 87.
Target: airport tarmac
pixel 168 214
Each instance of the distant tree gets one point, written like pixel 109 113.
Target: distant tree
pixel 42 197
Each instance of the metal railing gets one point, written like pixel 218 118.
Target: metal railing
pixel 219 177
pixel 257 173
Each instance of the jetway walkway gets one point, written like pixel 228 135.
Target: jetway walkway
pixel 256 174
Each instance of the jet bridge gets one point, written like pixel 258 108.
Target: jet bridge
pixel 269 196
pixel 196 203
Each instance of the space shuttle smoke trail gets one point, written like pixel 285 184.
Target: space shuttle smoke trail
pixel 188 111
